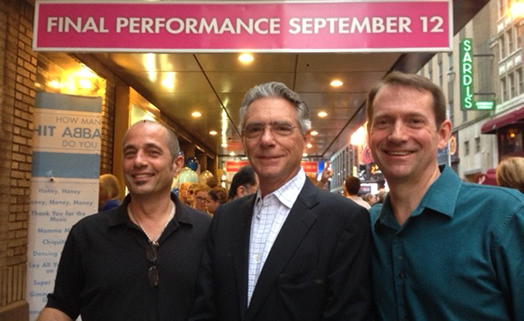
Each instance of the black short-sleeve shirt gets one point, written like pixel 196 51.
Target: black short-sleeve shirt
pixel 103 270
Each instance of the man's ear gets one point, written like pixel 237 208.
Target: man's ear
pixel 178 163
pixel 241 191
pixel 444 133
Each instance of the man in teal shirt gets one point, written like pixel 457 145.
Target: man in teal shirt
pixel 443 249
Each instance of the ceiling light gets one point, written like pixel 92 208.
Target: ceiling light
pixel 309 145
pixel 85 83
pixel 322 114
pixel 359 137
pixel 246 58
pixel 224 145
pixel 213 133
pixel 314 133
pixel 232 154
pixel 196 114
pixel 54 84
pixel 336 83
pixel 304 155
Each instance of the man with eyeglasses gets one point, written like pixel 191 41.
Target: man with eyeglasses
pixel 291 251
pixel 138 261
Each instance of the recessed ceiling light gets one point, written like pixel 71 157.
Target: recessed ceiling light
pixel 336 83
pixel 314 133
pixel 246 58
pixel 322 114
pixel 309 145
pixel 213 133
pixel 196 114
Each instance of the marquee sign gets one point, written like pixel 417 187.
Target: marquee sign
pixel 344 26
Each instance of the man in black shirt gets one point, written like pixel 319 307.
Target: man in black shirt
pixel 140 260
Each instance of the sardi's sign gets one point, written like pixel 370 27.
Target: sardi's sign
pixel 344 26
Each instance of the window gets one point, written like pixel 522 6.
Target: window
pixel 520 80
pixel 503 90
pixel 518 36
pixel 430 70
pixel 502 46
pixel 509 36
pixel 466 148
pixel 501 8
pixel 511 86
pixel 477 145
pixel 464 116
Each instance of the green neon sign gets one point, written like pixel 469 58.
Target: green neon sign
pixel 467 101
pixel 466 74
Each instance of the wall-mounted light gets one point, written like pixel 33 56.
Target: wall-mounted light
pixel 336 83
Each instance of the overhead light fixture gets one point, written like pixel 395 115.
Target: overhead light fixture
pixel 168 80
pixel 304 155
pixel 224 145
pixel 336 83
pixel 246 58
pixel 54 84
pixel 196 114
pixel 213 133
pixel 359 137
pixel 84 83
pixel 322 114
pixel 232 154
pixel 309 145
pixel 314 133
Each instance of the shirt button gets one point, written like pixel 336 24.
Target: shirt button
pixel 401 275
pixel 256 258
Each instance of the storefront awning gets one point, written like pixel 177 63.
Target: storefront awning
pixel 491 126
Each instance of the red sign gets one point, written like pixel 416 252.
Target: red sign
pixel 310 167
pixel 323 26
pixel 234 166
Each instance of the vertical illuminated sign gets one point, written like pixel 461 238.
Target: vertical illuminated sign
pixel 467 101
pixel 466 74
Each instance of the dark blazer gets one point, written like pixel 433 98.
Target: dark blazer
pixel 317 269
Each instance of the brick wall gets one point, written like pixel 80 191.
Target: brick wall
pixel 17 93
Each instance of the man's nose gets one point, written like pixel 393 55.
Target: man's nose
pixel 398 132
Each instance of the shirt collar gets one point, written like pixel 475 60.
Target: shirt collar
pixel 287 194
pixel 181 215
pixel 441 197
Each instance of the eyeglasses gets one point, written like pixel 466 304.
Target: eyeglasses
pixel 151 255
pixel 279 130
pixel 201 199
pixel 190 191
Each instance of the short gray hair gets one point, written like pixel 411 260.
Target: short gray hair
pixel 276 90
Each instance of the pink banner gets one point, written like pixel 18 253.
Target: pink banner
pixel 256 26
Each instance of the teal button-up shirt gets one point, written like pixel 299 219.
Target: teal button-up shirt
pixel 459 256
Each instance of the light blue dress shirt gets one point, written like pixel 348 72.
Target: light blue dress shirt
pixel 459 256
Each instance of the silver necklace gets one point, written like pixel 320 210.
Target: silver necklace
pixel 155 241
